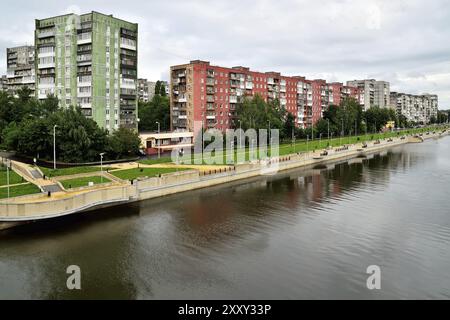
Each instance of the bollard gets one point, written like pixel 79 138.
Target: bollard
pixel 49 194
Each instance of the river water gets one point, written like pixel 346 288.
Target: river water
pixel 303 234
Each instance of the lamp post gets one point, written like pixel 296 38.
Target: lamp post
pixel 240 134
pixel 203 142
pixel 54 146
pixel 8 164
pixel 159 140
pixel 101 165
pixel 270 138
pixel 320 140
pixel 293 138
pixel 307 144
pixel 328 120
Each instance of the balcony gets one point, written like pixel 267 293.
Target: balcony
pixel 46 54
pixel 46 65
pixel 86 105
pixel 84 38
pixel 128 44
pixel 249 85
pixel 210 98
pixel 233 99
pixel 46 86
pixel 210 82
pixel 84 83
pixel 183 117
pixel 128 84
pixel 84 94
pixel 210 117
pixel 46 33
pixel 282 89
pixel 28 80
pixel 182 99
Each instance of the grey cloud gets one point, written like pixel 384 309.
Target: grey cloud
pixel 405 42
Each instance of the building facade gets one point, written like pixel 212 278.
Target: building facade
pixel 416 108
pixel 89 60
pixel 146 90
pixel 20 69
pixel 3 83
pixel 372 93
pixel 207 94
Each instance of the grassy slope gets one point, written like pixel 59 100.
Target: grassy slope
pixel 83 182
pixel 19 190
pixel 132 174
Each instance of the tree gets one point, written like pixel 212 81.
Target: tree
pixel 156 110
pixel 124 143
pixel 378 117
pixel 255 113
pixel 160 88
pixel 289 126
pixel 26 126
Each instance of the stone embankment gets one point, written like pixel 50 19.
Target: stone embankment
pixel 38 207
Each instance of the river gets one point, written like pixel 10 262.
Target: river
pixel 302 234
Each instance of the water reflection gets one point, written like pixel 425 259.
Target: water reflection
pixel 308 233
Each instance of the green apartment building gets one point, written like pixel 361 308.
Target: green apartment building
pixel 90 61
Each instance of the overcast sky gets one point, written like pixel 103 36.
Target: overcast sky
pixel 404 42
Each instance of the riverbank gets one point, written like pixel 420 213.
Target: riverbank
pixel 17 210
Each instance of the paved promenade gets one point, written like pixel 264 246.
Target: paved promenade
pixel 41 206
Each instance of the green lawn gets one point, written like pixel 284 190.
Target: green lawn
pixel 14 178
pixel 135 173
pixel 304 146
pixel 19 191
pixel 83 182
pixel 68 171
pixel 156 161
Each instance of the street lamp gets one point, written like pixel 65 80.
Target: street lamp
pixel 159 140
pixel 54 146
pixel 101 165
pixel 307 147
pixel 8 164
pixel 203 141
pixel 328 120
pixel 270 138
pixel 240 134
pixel 320 140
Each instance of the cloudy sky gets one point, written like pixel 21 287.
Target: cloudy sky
pixel 404 42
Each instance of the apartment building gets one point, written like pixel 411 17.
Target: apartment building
pixel 416 108
pixel 3 83
pixel 90 60
pixel 146 90
pixel 201 92
pixel 340 92
pixel 20 69
pixel 372 93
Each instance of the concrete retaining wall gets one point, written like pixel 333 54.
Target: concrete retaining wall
pixel 177 182
pixel 55 208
